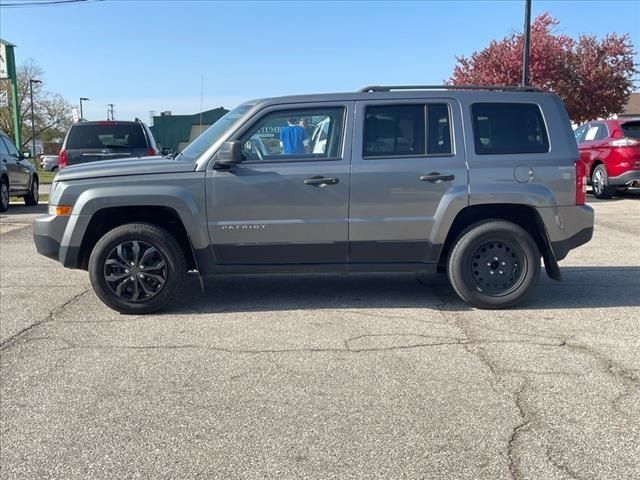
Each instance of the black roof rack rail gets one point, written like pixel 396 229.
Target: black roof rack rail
pixel 388 88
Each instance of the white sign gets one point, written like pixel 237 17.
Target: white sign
pixel 4 71
pixel 4 99
pixel 74 114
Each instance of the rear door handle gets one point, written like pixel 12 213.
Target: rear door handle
pixel 321 181
pixel 435 177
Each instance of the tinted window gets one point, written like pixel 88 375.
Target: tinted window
pixel 580 132
pixel 309 134
pixel 11 148
pixel 113 136
pixel 394 130
pixel 3 148
pixel 508 128
pixel 439 130
pixel 631 129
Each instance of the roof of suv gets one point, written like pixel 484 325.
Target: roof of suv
pixel 402 92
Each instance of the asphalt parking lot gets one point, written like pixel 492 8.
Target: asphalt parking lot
pixel 324 376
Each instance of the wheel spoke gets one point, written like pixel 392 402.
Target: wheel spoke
pixel 121 287
pixel 147 255
pixel 121 254
pixel 158 278
pixel 117 263
pixel 136 290
pixel 115 277
pixel 136 252
pixel 156 266
pixel 150 291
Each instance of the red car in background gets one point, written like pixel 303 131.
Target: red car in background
pixel 610 150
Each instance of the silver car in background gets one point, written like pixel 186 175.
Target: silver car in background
pixel 49 163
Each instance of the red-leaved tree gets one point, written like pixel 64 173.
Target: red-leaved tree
pixel 594 78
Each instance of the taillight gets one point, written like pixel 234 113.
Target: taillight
pixel 624 142
pixel 62 159
pixel 581 182
pixel 150 152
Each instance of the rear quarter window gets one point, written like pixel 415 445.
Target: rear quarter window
pixel 508 128
pixel 631 129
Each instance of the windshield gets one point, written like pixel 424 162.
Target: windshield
pixel 212 134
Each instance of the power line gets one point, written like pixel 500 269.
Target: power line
pixel 44 3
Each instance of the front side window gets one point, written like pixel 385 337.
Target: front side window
pixel 508 128
pixel 3 147
pixel 13 151
pixel 305 134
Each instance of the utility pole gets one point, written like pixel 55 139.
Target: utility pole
pixel 33 121
pixel 527 43
pixel 111 114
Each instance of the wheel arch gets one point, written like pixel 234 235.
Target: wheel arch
pixel 109 218
pixel 523 215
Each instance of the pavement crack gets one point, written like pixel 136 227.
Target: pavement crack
pixel 50 317
pixel 523 426
pixel 627 377
pixel 551 457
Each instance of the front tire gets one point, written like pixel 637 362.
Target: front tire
pixel 31 199
pixel 494 264
pixel 137 268
pixel 600 183
pixel 4 195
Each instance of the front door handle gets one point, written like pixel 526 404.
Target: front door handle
pixel 321 181
pixel 435 177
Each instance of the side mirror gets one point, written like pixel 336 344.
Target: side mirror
pixel 26 154
pixel 167 151
pixel 230 153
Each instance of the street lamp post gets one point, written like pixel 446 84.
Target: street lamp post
pixel 527 42
pixel 33 121
pixel 81 99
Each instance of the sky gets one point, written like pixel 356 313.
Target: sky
pixel 145 55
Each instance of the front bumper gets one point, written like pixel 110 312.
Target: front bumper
pixel 627 178
pixel 48 231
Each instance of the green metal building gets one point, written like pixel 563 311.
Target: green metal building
pixel 177 131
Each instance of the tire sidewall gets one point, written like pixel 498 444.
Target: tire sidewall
pixel 461 257
pixel 4 185
pixel 32 197
pixel 605 189
pixel 153 235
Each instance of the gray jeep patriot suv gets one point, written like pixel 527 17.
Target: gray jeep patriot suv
pixel 477 182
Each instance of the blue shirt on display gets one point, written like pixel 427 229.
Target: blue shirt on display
pixel 292 138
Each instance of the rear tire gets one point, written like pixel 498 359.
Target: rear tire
pixel 600 183
pixel 31 199
pixel 494 264
pixel 120 277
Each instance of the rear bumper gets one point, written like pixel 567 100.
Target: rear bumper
pixel 567 227
pixel 627 178
pixel 562 248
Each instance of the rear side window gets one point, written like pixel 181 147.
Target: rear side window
pixel 631 129
pixel 508 128
pixel 407 130
pixel 113 136
pixel 394 130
